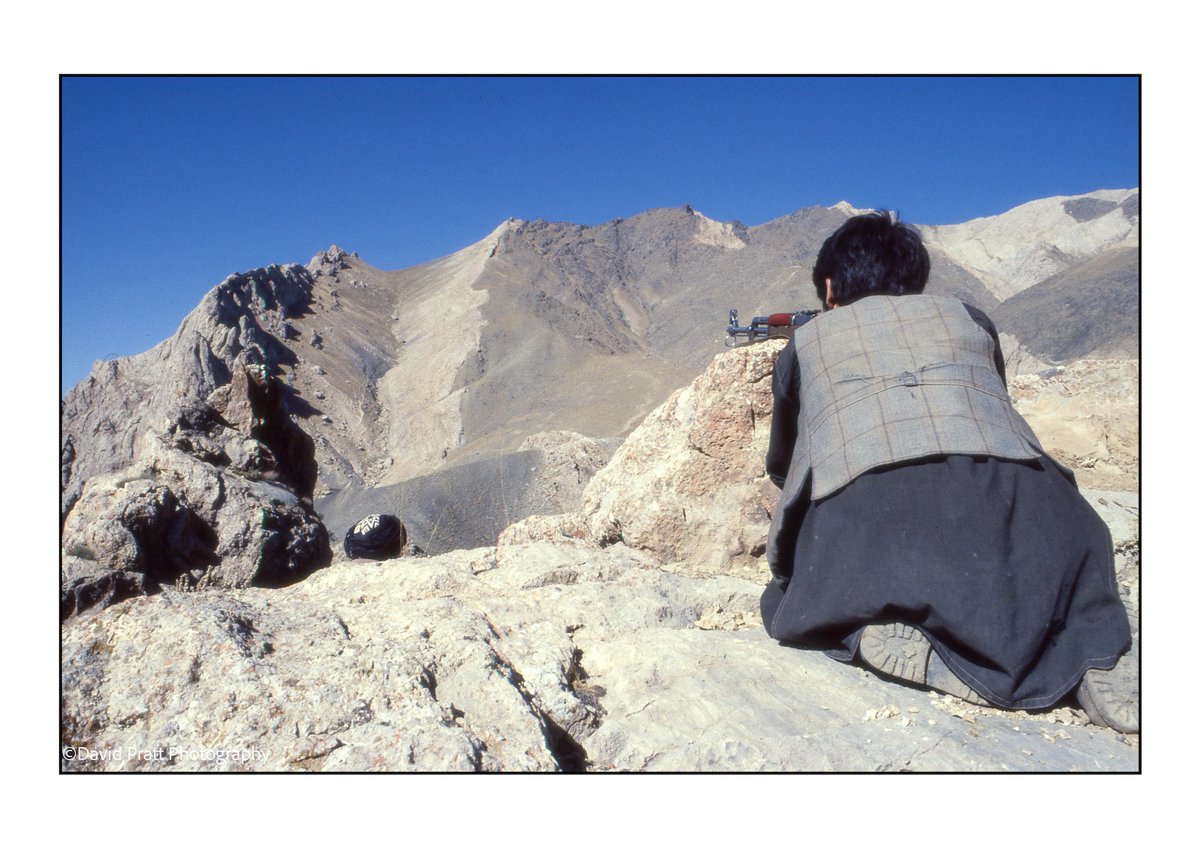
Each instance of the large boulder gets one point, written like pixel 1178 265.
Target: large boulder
pixel 1086 415
pixel 689 484
pixel 221 496
pixel 239 323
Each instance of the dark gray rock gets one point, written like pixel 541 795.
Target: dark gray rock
pixel 1090 311
pixel 1087 208
pixel 467 506
pixel 221 497
pixel 238 323
pixel 1132 207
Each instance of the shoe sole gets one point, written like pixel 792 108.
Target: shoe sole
pixel 1110 696
pixel 903 652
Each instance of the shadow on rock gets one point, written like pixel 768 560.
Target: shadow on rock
pixel 221 496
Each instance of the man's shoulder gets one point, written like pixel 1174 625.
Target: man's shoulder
pixel 979 316
pixel 787 356
pixel 786 366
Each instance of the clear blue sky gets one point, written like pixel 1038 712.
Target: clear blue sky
pixel 171 184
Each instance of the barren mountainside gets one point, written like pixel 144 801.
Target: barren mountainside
pixel 404 375
pixel 1089 311
pixel 1033 242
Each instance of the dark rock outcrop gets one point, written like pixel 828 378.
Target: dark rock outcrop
pixel 240 322
pixel 1090 311
pixel 221 497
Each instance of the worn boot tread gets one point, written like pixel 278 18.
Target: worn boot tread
pixel 902 651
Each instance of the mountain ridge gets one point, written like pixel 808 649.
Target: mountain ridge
pixel 540 326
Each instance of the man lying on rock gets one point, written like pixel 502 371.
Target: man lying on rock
pixel 922 527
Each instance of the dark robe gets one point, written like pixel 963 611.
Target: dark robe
pixel 1001 563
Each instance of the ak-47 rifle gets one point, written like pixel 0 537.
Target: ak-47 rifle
pixel 780 325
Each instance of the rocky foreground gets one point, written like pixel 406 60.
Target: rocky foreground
pixel 624 636
pixel 534 657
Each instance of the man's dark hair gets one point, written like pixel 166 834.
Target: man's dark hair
pixel 871 254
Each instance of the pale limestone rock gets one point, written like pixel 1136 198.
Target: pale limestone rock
pixel 727 235
pixel 566 464
pixel 1035 241
pixel 1121 511
pixel 689 485
pixel 550 652
pixel 419 412
pixel 239 323
pixel 533 657
pixel 1086 415
pixel 1018 360
pixel 850 211
pixel 570 527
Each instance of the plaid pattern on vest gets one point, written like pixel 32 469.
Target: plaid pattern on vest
pixel 888 379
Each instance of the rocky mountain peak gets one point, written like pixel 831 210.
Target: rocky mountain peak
pixel 244 321
pixel 849 211
pixel 331 260
pixel 730 235
pixel 545 326
pixel 496 237
pixel 279 291
pixel 1035 241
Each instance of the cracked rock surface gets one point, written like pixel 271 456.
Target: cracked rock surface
pixel 688 485
pixel 220 495
pixel 530 657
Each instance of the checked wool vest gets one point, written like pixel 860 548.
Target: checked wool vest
pixel 889 379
